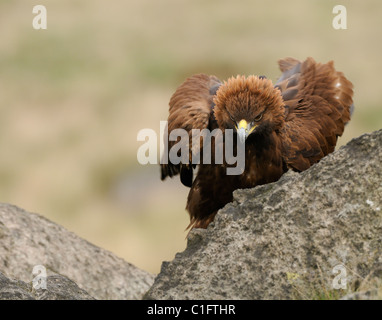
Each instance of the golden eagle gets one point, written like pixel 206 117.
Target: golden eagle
pixel 289 125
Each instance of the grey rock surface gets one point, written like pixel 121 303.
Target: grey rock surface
pixel 14 289
pixel 28 240
pixel 60 288
pixel 57 288
pixel 302 237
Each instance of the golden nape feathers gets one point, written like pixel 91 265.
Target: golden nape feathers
pixel 291 124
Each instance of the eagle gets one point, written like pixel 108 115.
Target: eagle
pixel 291 124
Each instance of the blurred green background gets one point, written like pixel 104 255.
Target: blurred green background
pixel 73 98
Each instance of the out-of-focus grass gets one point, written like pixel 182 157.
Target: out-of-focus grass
pixel 74 96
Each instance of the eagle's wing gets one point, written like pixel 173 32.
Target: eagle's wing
pixel 191 107
pixel 318 104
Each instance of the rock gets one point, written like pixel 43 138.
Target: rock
pixel 28 240
pixel 57 288
pixel 302 237
pixel 14 290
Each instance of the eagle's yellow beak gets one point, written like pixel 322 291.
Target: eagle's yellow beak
pixel 244 129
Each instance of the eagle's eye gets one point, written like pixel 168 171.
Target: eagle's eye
pixel 259 117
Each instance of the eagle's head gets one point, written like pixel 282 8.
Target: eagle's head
pixel 249 105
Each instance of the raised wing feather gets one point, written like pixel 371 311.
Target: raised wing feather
pixel 190 108
pixel 318 103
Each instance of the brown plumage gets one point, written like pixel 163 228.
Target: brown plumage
pixel 291 125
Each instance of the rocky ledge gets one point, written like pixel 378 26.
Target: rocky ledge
pixel 310 235
pixel 32 246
